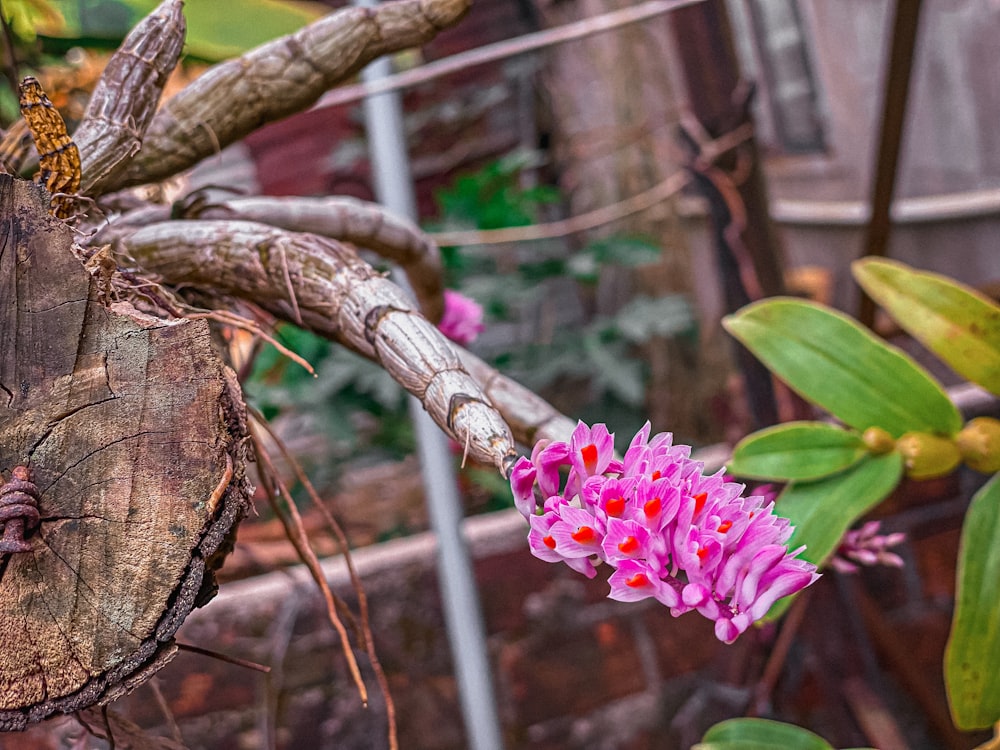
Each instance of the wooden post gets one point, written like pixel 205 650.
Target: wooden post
pixel 122 463
pixel 611 98
pixel 711 72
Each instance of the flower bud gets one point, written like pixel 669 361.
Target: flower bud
pixel 979 444
pixel 878 441
pixel 927 456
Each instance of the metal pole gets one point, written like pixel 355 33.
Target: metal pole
pixel 896 91
pixel 463 617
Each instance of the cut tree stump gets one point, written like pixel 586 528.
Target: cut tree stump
pixel 132 432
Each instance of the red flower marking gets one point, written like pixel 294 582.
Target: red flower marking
pixel 589 455
pixel 628 545
pixel 584 535
pixel 615 507
pixel 699 502
pixel 637 581
pixel 652 507
pixel 725 526
pixel 549 542
pixel 703 553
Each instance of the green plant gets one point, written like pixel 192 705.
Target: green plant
pixel 215 30
pixel 897 421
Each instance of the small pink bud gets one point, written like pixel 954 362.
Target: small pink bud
pixel 462 321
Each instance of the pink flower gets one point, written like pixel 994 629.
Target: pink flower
pixel 692 542
pixel 462 321
pixel 865 546
pixel 577 533
pixel 625 540
pixel 590 450
pixel 635 580
pixel 522 482
pixel 543 542
pixel 548 458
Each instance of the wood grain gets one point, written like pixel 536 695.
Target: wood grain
pixel 129 425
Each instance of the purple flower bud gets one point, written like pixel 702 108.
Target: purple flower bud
pixel 865 546
pixel 522 484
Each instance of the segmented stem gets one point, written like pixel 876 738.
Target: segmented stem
pixel 367 225
pixel 279 78
pixel 324 286
pixel 125 98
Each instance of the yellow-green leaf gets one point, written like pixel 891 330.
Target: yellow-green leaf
pixel 839 365
pixel 955 322
pixel 801 451
pixel 972 658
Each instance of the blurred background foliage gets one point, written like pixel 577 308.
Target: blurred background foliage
pixel 217 29
pixel 592 367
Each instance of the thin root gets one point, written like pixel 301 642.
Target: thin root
pixel 338 532
pixel 292 521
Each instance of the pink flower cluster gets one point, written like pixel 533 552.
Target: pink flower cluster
pixel 688 540
pixel 865 546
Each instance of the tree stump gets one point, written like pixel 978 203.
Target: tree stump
pixel 128 432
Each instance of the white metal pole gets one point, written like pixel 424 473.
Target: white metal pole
pixel 463 616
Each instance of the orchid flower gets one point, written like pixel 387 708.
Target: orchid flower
pixel 690 541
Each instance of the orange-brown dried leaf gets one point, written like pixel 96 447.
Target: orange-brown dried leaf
pixel 58 156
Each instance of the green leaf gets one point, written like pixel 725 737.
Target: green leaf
pixel 837 364
pixel 492 198
pixel 28 18
pixel 801 451
pixel 618 250
pixel 955 322
pixel 971 660
pixel 614 371
pixel 584 268
pixel 822 511
pixel 216 29
pixel 227 28
pixel 624 251
pixel 760 734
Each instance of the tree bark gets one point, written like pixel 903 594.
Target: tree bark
pixel 614 107
pixel 132 432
